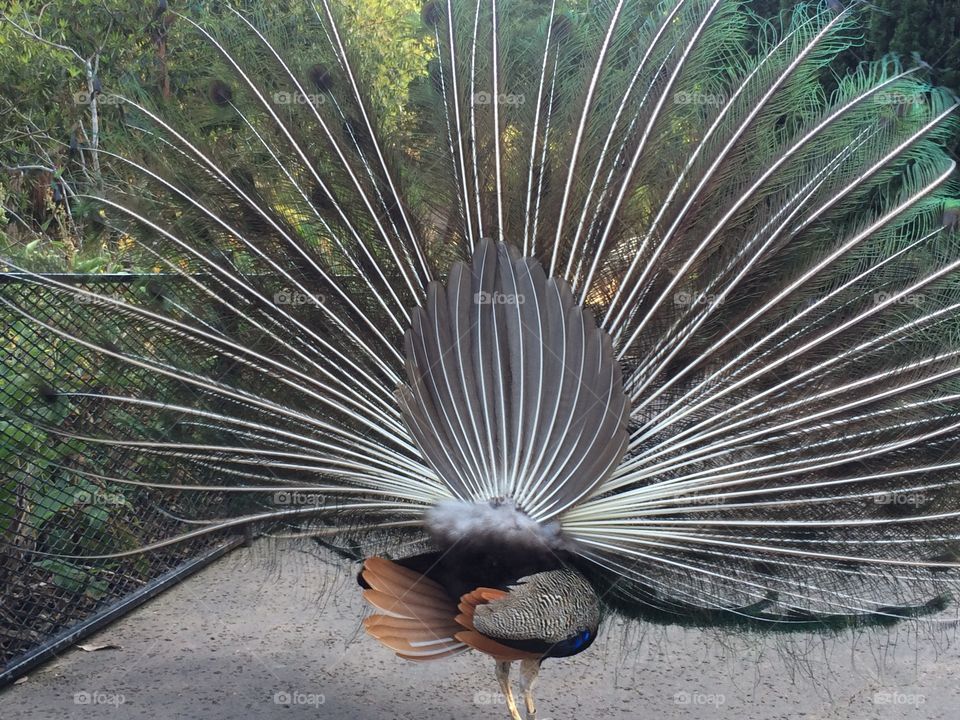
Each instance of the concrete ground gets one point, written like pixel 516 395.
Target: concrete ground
pixel 246 639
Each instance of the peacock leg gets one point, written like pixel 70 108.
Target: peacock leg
pixel 529 672
pixel 503 677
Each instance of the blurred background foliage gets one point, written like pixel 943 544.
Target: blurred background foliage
pixel 61 65
pixel 55 58
pixel 928 30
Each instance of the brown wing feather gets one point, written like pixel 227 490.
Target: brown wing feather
pixel 493 648
pixel 420 622
pixel 423 623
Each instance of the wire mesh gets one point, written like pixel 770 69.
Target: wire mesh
pixel 58 505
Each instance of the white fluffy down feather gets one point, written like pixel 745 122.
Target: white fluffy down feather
pixel 456 521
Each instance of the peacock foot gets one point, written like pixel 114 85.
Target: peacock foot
pixel 503 677
pixel 529 672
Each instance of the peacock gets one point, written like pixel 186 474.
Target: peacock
pixel 616 308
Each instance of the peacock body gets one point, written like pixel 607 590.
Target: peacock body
pixel 626 308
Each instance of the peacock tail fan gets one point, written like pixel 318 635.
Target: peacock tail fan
pixel 648 288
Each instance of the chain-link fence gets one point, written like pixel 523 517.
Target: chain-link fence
pixel 58 506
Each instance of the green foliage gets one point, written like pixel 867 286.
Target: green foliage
pixel 45 503
pixel 926 29
pixel 65 511
pixel 53 58
pixel 75 579
pixel 385 33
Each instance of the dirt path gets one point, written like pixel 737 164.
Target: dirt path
pixel 243 640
